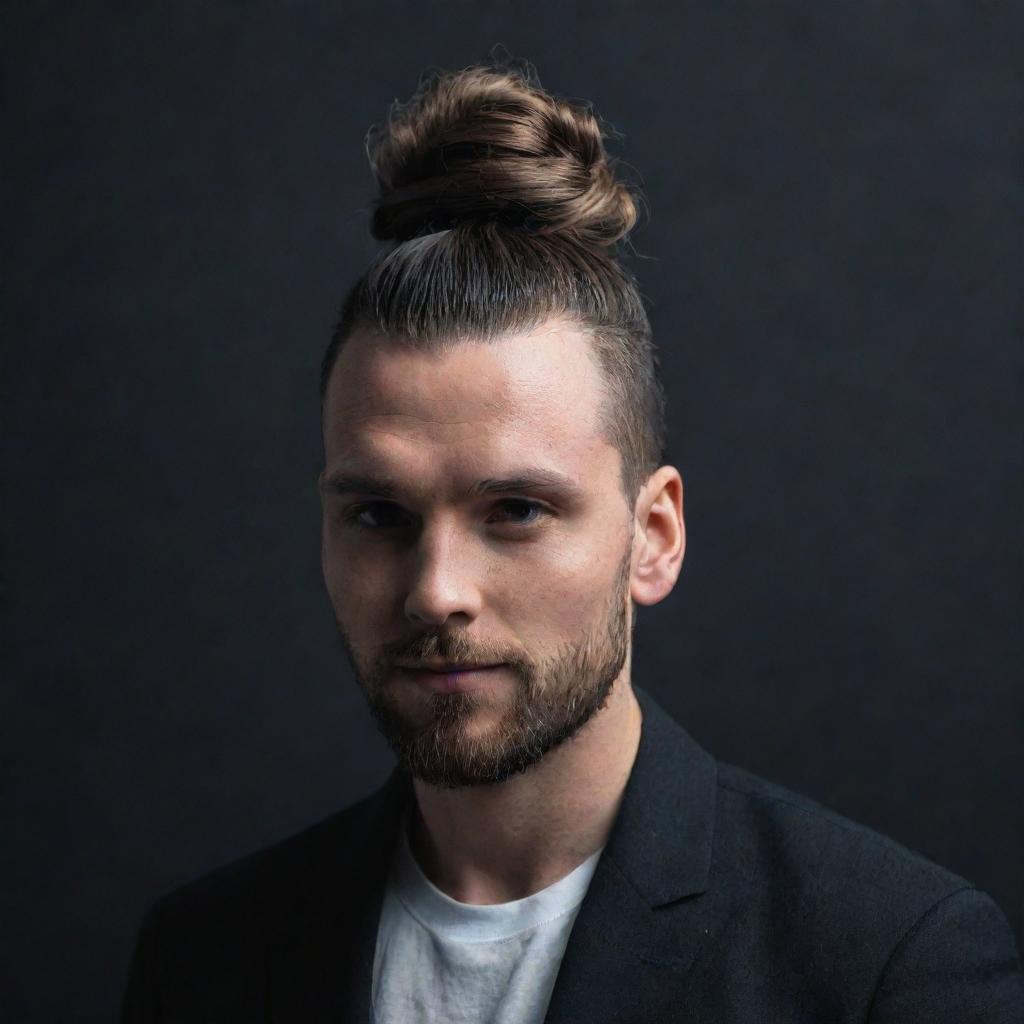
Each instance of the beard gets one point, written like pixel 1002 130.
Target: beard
pixel 551 703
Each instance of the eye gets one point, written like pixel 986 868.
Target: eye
pixel 352 515
pixel 530 506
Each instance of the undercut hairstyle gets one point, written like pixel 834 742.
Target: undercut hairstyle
pixel 503 211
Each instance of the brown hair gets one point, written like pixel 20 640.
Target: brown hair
pixel 505 211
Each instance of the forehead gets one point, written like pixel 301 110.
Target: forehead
pixel 535 394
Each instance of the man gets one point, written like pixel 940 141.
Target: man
pixel 717 896
pixel 551 846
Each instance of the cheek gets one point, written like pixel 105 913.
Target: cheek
pixel 578 607
pixel 559 601
pixel 593 590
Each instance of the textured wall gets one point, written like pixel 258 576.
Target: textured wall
pixel 832 260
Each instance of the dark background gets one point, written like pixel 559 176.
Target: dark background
pixel 832 261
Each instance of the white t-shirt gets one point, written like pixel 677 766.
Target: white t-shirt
pixel 439 961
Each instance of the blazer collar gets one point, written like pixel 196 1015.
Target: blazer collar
pixel 650 908
pixel 662 836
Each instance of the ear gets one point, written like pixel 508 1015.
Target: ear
pixel 660 538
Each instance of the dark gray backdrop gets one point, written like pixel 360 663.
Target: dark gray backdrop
pixel 832 262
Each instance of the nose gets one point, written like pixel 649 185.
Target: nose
pixel 445 581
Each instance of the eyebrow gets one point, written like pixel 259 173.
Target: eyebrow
pixel 532 479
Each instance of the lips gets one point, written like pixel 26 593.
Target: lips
pixel 456 679
pixel 448 669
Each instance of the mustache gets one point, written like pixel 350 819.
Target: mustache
pixel 448 648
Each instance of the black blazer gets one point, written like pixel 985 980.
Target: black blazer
pixel 719 898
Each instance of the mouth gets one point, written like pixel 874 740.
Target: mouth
pixel 452 678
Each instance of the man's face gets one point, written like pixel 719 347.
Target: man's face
pixel 534 578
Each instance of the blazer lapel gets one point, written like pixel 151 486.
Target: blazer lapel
pixel 321 968
pixel 649 908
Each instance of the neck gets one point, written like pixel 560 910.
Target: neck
pixel 493 844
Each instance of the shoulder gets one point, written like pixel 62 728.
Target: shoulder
pixel 811 850
pixel 209 942
pixel 280 881
pixel 828 898
pixel 814 872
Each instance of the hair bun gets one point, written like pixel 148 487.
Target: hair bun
pixel 489 144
